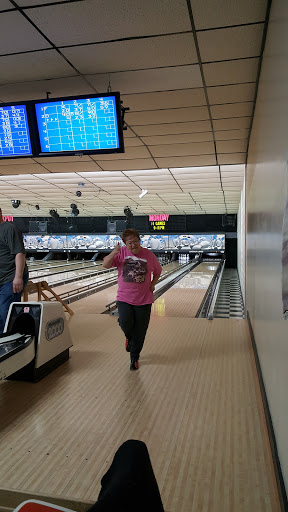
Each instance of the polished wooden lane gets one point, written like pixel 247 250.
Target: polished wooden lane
pixel 195 401
pixel 185 297
pixel 96 303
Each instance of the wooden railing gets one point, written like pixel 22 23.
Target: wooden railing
pixel 41 288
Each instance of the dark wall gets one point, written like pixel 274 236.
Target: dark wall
pixel 66 225
pixel 231 252
pixel 176 224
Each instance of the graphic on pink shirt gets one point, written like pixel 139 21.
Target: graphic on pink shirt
pixel 134 270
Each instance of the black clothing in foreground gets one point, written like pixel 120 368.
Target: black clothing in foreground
pixel 129 484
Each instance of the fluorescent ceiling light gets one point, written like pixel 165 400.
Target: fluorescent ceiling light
pixel 143 193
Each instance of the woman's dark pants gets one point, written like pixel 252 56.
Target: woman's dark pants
pixel 134 321
pixel 129 484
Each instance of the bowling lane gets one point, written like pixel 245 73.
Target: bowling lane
pixel 96 303
pixel 99 277
pixel 43 274
pixel 41 264
pixel 185 297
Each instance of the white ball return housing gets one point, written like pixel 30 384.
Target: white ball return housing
pixel 36 340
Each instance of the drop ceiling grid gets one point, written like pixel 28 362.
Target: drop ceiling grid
pixel 132 55
pixel 234 112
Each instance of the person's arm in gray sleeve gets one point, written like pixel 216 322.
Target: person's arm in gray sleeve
pixel 18 279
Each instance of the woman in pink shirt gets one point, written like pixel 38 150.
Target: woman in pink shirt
pixel 135 266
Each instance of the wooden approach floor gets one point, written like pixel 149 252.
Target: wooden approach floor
pixel 195 401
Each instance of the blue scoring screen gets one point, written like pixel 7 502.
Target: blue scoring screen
pixel 77 124
pixel 14 131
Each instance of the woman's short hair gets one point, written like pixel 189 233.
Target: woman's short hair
pixel 130 232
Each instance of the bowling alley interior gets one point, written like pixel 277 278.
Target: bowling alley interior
pixel 169 118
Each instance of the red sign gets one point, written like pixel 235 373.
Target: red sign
pixel 7 218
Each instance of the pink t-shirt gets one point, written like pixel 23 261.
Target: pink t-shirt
pixel 134 275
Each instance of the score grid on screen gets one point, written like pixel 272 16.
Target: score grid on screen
pixel 80 124
pixel 14 131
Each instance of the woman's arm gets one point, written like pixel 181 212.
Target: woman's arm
pixel 153 282
pixel 108 260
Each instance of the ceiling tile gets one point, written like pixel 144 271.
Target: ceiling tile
pixel 130 153
pixel 91 176
pixel 173 128
pixel 226 175
pixel 29 3
pixel 228 12
pixel 122 165
pixel 36 90
pixel 231 146
pixel 236 158
pixel 28 180
pixel 164 99
pixel 128 132
pixel 177 115
pixel 232 110
pixel 166 196
pixel 232 168
pixel 231 93
pixel 149 80
pixel 215 185
pixel 148 180
pixel 230 43
pixel 172 50
pixel 197 148
pixel 160 173
pixel 168 187
pixel 54 178
pixel 16 161
pixel 198 182
pixel 193 177
pixel 186 161
pixel 5 4
pixel 130 142
pixel 121 179
pixel 33 66
pixel 232 123
pixel 174 139
pixel 64 23
pixel 231 134
pixel 125 188
pixel 231 72
pixel 71 166
pixel 20 169
pixel 30 38
pixel 227 181
pixel 62 159
pixel 194 170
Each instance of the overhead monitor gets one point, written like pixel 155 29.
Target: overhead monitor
pixel 15 138
pixel 80 124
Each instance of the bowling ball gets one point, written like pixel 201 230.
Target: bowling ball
pixel 99 244
pixel 155 243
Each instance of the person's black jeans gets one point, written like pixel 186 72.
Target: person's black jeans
pixel 134 321
pixel 129 484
